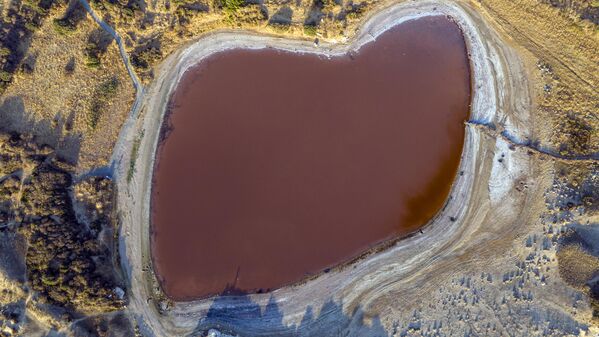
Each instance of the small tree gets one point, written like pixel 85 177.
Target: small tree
pixel 5 76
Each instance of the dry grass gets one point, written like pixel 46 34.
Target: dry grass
pixel 576 266
pixel 563 56
pixel 57 104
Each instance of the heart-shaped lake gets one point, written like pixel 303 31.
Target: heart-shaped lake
pixel 280 165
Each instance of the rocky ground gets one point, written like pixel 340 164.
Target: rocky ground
pixel 518 254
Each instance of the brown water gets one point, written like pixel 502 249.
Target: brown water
pixel 280 165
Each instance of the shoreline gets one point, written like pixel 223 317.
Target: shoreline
pixel 402 231
pixel 488 100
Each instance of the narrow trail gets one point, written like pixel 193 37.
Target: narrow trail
pixel 117 156
pixel 501 132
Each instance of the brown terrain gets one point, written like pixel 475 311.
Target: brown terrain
pixel 75 145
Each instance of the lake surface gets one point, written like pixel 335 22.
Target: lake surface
pixel 275 166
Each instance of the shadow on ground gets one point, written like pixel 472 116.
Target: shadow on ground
pixel 56 133
pixel 239 315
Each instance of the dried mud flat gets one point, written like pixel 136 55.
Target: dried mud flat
pixel 446 273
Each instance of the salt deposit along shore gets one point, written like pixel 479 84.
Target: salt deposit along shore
pixel 476 232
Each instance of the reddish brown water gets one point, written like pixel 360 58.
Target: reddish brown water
pixel 280 165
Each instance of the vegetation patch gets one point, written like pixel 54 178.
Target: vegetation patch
pixel 68 262
pixel 63 26
pixel 21 20
pixel 74 14
pixel 97 44
pixel 283 17
pixel 134 155
pixel 104 93
pixel 310 30
pixel 574 135
pixel 187 10
pixel 231 6
pixel 146 54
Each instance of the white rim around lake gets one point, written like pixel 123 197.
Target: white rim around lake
pixel 414 265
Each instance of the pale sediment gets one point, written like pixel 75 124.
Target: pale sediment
pixel 481 195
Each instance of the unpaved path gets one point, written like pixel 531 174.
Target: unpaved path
pixel 484 214
pixel 139 92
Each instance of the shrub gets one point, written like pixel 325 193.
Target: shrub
pixel 50 281
pixel 232 6
pixel 31 26
pixel 4 51
pixel 67 263
pixel 63 26
pixel 108 88
pixel 133 159
pixel 103 93
pixel 92 61
pixel 128 12
pixel 310 30
pixel 5 76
